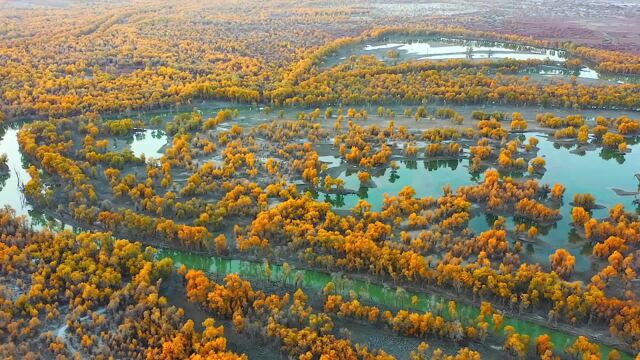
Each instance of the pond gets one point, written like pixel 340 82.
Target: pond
pixel 11 184
pixel 426 177
pixel 585 75
pixel 398 49
pixel 148 142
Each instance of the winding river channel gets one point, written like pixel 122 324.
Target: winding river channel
pixel 373 292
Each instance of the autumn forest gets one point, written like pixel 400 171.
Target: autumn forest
pixel 317 180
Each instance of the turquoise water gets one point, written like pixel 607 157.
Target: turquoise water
pixel 427 178
pixel 378 294
pixel 596 172
pixel 576 172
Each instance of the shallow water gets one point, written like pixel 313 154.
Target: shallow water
pixel 426 177
pixel 423 48
pixel 11 184
pixel 596 172
pixel 378 294
pixel 473 50
pixel 578 173
pixel 438 48
pixel 585 75
pixel 10 189
pixel 149 142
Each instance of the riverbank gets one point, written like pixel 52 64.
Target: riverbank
pixel 316 279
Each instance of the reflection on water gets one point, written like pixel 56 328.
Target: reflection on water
pixel 588 73
pixel 379 294
pixel 563 164
pixel 427 177
pixel 383 46
pixel 584 73
pixel 401 49
pixel 11 183
pixel 468 49
pixel 11 194
pixel 148 142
